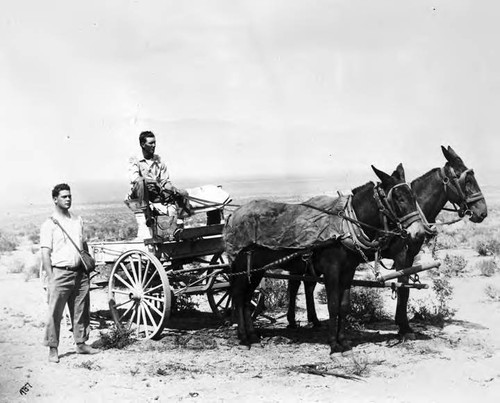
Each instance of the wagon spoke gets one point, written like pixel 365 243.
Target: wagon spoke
pixel 148 262
pixel 123 303
pixel 127 273
pixel 153 298
pixel 131 264
pixel 151 278
pixel 140 270
pixel 117 276
pixel 138 320
pixel 121 292
pixel 152 307
pixel 226 295
pixel 130 321
pixel 150 315
pixel 153 289
pixel 145 321
pixel 127 311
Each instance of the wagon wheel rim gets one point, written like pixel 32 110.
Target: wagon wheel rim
pixel 139 295
pixel 219 296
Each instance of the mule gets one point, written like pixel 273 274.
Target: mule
pixel 338 259
pixel 454 183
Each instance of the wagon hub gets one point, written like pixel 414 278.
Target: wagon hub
pixel 136 295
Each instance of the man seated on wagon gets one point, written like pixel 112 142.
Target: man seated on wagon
pixel 150 182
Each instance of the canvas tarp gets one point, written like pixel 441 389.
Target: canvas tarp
pixel 284 226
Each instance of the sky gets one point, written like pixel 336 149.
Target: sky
pixel 241 89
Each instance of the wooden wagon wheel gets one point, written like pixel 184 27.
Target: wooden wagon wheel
pixel 219 295
pixel 139 294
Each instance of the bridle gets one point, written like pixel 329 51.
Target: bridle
pixel 456 184
pixel 386 206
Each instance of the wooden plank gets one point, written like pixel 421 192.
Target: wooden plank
pixel 197 232
pixel 192 248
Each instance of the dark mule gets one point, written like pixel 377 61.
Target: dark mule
pixel 337 260
pixel 452 183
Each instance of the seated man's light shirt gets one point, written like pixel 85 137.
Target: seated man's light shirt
pixel 153 169
pixel 63 252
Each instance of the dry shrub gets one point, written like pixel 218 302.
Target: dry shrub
pixel 492 292
pixel 32 266
pixel 15 265
pixel 89 364
pixel 446 241
pixel 487 246
pixel 434 307
pixel 276 293
pixel 8 242
pixel 488 267
pixel 116 338
pixel 367 304
pixel 453 266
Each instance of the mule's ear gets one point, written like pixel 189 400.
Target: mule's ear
pixel 399 173
pixel 446 153
pixel 382 175
pixel 454 154
pixel 452 157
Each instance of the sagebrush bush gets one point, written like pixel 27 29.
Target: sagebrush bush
pixel 453 266
pixel 488 267
pixel 492 292
pixel 435 308
pixel 487 246
pixel 32 266
pixel 367 304
pixel 116 338
pixel 445 241
pixel 275 293
pixel 16 265
pixel 8 242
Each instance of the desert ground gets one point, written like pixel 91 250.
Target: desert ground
pixel 199 359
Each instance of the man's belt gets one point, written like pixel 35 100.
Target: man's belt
pixel 68 268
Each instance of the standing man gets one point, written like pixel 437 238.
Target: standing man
pixel 150 181
pixel 68 282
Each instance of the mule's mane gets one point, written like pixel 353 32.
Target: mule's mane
pixel 362 187
pixel 424 177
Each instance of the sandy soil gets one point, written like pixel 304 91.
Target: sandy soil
pixel 197 360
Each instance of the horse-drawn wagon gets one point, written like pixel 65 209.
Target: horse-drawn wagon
pixel 146 275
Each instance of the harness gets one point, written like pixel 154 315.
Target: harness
pixel 457 185
pixel 357 238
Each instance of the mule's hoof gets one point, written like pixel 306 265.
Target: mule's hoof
pixel 292 326
pixel 346 346
pixel 317 324
pixel 336 348
pixel 253 339
pixel 407 336
pixel 347 353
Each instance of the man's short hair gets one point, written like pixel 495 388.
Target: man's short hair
pixel 58 188
pixel 144 135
